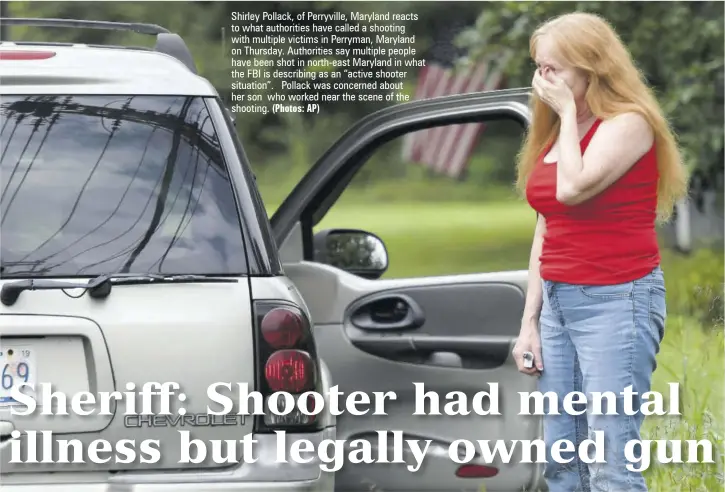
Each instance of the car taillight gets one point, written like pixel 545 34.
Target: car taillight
pixel 282 328
pixel 289 370
pixel 26 55
pixel 287 359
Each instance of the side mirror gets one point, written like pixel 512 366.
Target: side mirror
pixel 358 252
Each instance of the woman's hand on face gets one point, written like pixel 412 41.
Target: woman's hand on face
pixel 529 340
pixel 553 91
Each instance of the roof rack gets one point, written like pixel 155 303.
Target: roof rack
pixel 166 42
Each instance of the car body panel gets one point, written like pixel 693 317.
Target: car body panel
pixel 147 336
pixel 462 341
pixel 264 475
pixel 183 339
pixel 471 323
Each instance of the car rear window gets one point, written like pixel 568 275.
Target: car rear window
pixel 109 184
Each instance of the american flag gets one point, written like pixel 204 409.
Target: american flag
pixel 446 149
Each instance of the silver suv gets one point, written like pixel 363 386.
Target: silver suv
pixel 136 249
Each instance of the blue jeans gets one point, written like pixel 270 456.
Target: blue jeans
pixel 599 339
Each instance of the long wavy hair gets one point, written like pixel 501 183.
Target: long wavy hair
pixel 588 43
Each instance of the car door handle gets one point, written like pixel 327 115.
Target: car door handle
pixel 444 359
pixel 388 312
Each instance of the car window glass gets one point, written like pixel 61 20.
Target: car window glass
pixel 98 184
pixel 432 219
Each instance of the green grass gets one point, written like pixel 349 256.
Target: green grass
pixel 692 357
pixel 443 238
pixel 447 238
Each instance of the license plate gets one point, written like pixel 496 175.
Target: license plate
pixel 17 366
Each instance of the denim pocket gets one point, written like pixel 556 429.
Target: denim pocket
pixel 657 311
pixel 616 291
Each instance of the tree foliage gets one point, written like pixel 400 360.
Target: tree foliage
pixel 206 27
pixel 677 45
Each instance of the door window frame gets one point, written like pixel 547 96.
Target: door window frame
pixel 322 186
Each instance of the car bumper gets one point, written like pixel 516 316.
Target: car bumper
pixel 325 483
pixel 322 484
pixel 265 475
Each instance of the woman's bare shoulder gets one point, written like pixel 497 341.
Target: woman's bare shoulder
pixel 631 122
pixel 630 127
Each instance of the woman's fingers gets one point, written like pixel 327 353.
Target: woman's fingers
pixel 540 85
pixel 520 365
pixel 538 361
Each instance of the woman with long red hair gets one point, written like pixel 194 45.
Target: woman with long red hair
pixel 599 165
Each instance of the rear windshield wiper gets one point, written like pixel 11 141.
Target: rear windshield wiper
pixel 100 287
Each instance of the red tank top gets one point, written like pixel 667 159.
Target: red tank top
pixel 610 238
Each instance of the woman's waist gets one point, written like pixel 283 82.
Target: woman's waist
pixel 601 242
pixel 598 265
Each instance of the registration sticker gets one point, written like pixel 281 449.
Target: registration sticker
pixel 17 366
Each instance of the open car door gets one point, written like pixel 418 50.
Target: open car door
pixel 452 333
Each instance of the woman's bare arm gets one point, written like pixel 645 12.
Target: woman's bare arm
pixel 615 147
pixel 529 339
pixel 534 294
